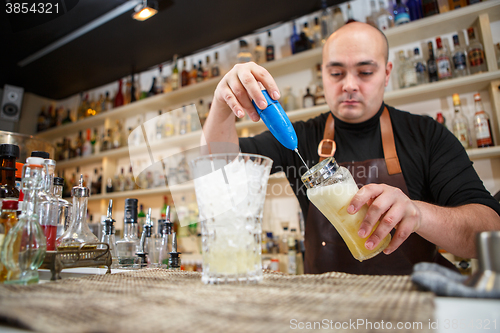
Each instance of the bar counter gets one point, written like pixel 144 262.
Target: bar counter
pixel 156 300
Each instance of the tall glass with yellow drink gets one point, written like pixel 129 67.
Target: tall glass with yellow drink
pixel 330 188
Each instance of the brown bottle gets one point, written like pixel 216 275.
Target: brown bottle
pixel 8 155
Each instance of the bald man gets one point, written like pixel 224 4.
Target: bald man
pixel 416 177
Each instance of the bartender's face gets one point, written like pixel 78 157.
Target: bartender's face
pixel 355 72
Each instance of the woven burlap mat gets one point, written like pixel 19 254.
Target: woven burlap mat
pixel 156 300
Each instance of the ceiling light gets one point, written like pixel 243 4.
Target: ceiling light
pixel 145 10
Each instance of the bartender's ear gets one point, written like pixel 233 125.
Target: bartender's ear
pixel 388 69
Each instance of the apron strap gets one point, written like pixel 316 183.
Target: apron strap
pixel 327 147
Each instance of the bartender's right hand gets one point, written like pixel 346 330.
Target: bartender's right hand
pixel 240 86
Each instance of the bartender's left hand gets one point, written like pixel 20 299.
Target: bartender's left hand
pixel 394 210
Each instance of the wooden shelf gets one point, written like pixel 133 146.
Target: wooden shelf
pixel 482 153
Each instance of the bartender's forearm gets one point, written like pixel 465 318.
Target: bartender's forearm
pixel 454 228
pixel 220 125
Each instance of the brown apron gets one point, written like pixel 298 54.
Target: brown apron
pixel 326 251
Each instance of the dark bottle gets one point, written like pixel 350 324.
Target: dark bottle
pixel 215 66
pixel 269 47
pixel 431 65
pixel 294 38
pixel 415 8
pixel 199 74
pixel 79 145
pixel 184 74
pixel 401 13
pixel 8 155
pixel 119 99
pixel 133 93
pixel 429 7
pixel 152 91
pixel 67 120
pixel 42 121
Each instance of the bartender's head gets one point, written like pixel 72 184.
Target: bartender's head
pixel 355 71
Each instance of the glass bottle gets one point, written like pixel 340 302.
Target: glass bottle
pixel 338 19
pixel 415 8
pixel 385 19
pixel 294 38
pixel 146 250
pixel 420 68
pixel 325 22
pixel 316 33
pixel 475 53
pixel 8 155
pixel 42 120
pixel 350 15
pixel 160 80
pixel 308 99
pixel 169 124
pixel 289 101
pixel 175 75
pixel 259 52
pixel 244 54
pixel 215 66
pixel 79 144
pixel 184 74
pixel 24 246
pixel 430 7
pixel 443 62
pixel 108 102
pixel 87 145
pixel 441 119
pixel 193 74
pixel 183 128
pixel 330 188
pixel 206 69
pixel 166 243
pixel 64 207
pixel 67 119
pixel 119 98
pixel 406 72
pixel 48 205
pixel 431 64
pixel 292 253
pixel 78 232
pixel 459 58
pixel 152 90
pixel 8 219
pixel 482 125
pixel 127 247
pixel 460 126
pixel 401 13
pixel 108 235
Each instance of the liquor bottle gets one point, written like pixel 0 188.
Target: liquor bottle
pixel 129 180
pixel 308 99
pixel 42 119
pixel 443 62
pixel 372 18
pixel 117 134
pixel 166 241
pixel 108 102
pixel 244 54
pixel 128 92
pixel 109 186
pixel 119 183
pixel 184 74
pixel 385 19
pixel 316 33
pixel 23 255
pixel 8 155
pixel 79 144
pixel 108 235
pixel 401 13
pixel 160 81
pixel 67 119
pixel 48 204
pixel 127 247
pixel 259 52
pixel 193 74
pixel 319 94
pixel 294 38
pixel 206 69
pixel 420 68
pixel 431 64
pixel 292 253
pixel 289 101
pixel 8 218
pixel 459 58
pixel 152 90
pixel 454 4
pixel 406 72
pixel 183 125
pixel 350 15
pixel 64 207
pixel 308 32
pixel 460 126
pixel 338 19
pixel 199 74
pixel 475 53
pixel 52 117
pixel 94 141
pixel 482 125
pixel 415 8
pixel 87 145
pixel 325 22
pixel 141 219
pixel 430 7
pixel 93 183
pixel 163 212
pixel 169 125
pixel 215 66
pixel 119 95
pixel 175 74
pixel 160 126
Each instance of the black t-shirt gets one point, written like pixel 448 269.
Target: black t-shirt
pixel 435 166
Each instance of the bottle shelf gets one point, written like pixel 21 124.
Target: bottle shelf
pixel 394 98
pixel 187 187
pixel 482 153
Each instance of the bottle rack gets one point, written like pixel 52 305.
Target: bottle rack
pixel 478 15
